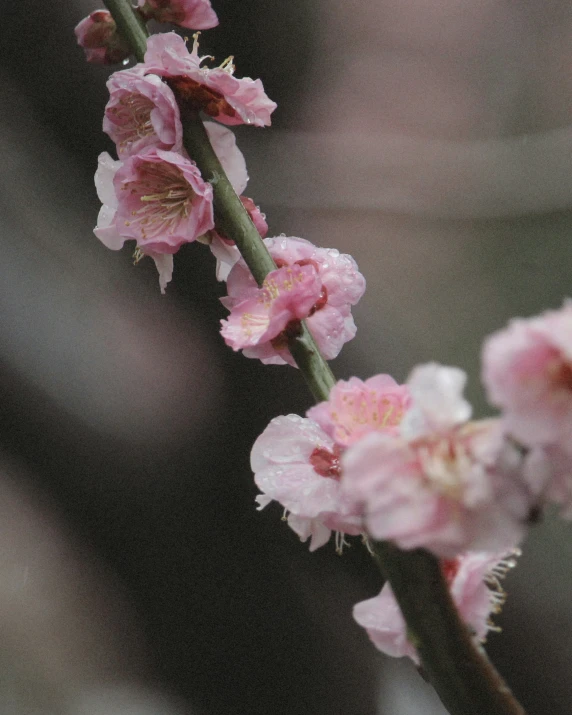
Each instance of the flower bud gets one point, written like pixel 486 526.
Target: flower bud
pixel 97 34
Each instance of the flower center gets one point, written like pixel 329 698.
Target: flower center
pixel 132 118
pixel 323 299
pixel 165 198
pixel 326 463
pixel 366 408
pixel 443 463
pixel 198 97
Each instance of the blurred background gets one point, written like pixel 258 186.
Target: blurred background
pixel 432 141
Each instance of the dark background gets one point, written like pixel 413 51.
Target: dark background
pixel 137 575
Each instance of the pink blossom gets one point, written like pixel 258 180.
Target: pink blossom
pixel 193 14
pixel 162 201
pixel 527 371
pixel 216 91
pixel 297 464
pixel 474 581
pixel 356 408
pixel 97 35
pixel 106 230
pixel 186 178
pixel 224 249
pixel 330 320
pixel 157 198
pixel 443 483
pixel 142 112
pixel 286 295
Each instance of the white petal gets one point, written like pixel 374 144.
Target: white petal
pixel 438 402
pixel 164 263
pixel 106 170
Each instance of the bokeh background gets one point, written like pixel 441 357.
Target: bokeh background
pixel 432 141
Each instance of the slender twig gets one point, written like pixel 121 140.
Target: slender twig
pixel 232 219
pixel 463 677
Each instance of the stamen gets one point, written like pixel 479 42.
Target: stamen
pixel 340 541
pixel 228 65
pixel 165 199
pixel 137 256
pixel 367 543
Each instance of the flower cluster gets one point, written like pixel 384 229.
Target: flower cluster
pixel 154 194
pixel 404 463
pixel 408 462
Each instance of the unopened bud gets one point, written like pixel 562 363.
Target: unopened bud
pixel 97 34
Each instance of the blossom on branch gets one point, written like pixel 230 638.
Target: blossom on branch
pixel 356 408
pixel 297 461
pixel 157 198
pixel 141 112
pixel 527 371
pixel 443 483
pixel 329 319
pixel 297 464
pixel 286 295
pixel 162 201
pixel 216 91
pixel 474 582
pixel 97 35
pixel 193 14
